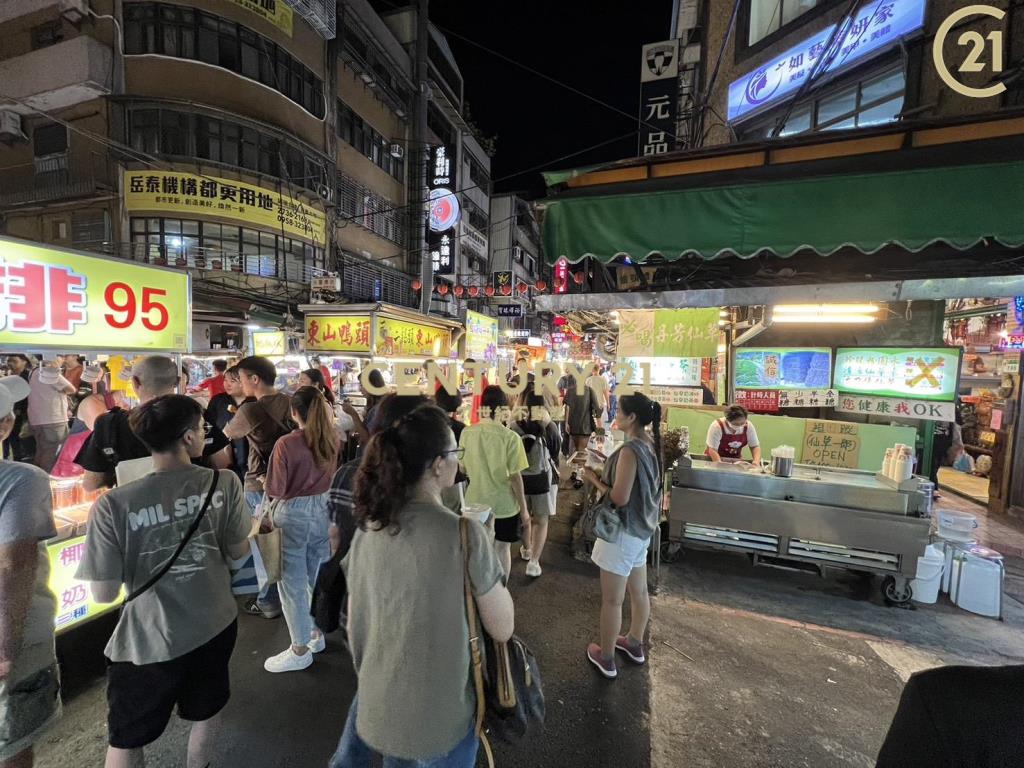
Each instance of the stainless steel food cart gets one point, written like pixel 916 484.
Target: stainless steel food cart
pixel 818 518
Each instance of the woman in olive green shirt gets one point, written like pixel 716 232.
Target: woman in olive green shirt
pixel 407 619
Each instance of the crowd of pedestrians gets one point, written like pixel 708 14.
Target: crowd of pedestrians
pixel 187 486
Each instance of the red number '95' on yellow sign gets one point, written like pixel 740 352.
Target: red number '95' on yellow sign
pixel 50 297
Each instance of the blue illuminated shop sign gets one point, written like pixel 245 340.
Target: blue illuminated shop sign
pixel 877 26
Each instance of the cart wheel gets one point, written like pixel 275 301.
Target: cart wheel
pixel 897 594
pixel 670 551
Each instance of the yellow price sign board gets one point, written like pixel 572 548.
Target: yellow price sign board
pixel 400 338
pixel 75 603
pixel 338 333
pixel 277 12
pixel 53 298
pixel 269 343
pixel 189 195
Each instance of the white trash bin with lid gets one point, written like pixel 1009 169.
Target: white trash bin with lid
pixel 976 581
pixel 926 583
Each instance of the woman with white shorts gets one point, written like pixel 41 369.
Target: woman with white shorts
pixel 633 484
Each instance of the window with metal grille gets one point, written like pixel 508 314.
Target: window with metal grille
pixel 90 228
pixel 360 204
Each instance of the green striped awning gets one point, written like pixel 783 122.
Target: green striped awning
pixel 956 205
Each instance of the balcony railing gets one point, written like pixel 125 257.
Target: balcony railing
pixel 55 177
pixel 214 260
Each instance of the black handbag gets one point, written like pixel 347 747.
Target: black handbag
pixel 509 693
pixel 329 594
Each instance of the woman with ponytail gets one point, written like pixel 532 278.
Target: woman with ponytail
pixel 299 473
pixel 407 622
pixel 633 482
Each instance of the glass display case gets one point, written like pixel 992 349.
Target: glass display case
pixel 71 506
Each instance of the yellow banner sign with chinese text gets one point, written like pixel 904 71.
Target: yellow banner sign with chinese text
pixel 52 298
pixel 277 12
pixel 399 338
pixel 189 195
pixel 75 602
pixel 338 333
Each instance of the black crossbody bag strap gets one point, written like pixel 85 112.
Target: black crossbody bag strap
pixel 184 542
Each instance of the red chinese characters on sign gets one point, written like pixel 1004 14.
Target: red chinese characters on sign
pixel 41 298
pixel 758 400
pixel 350 334
pixel 72 596
pixel 73 554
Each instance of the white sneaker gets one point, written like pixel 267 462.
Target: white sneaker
pixel 533 569
pixel 287 661
pixel 525 553
pixel 317 645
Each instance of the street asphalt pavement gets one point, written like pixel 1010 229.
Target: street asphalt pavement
pixel 749 667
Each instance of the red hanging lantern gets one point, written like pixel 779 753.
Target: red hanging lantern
pixel 458 290
pixel 578 277
pixel 474 290
pixel 506 289
pixel 541 286
pixel 416 285
pixel 523 287
pixel 443 289
pixel 489 290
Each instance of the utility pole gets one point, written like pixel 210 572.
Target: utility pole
pixel 420 147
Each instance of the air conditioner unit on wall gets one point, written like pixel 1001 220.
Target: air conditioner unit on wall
pixel 10 127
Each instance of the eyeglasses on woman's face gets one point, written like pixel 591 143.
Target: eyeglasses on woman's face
pixel 459 453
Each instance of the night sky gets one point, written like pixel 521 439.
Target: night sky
pixel 593 46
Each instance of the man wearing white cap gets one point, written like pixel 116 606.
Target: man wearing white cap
pixel 48 411
pixel 29 682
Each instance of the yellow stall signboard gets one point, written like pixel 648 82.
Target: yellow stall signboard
pixel 277 12
pixel 66 300
pixel 400 338
pixel 74 599
pixel 269 343
pixel 338 333
pixel 189 195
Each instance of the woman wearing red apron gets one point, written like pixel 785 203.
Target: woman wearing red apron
pixel 727 437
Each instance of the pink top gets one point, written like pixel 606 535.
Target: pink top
pixel 293 473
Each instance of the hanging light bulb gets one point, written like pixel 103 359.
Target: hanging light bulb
pixel 458 290
pixel 541 286
pixel 523 287
pixel 416 285
pixel 443 289
pixel 489 290
pixel 506 289
pixel 474 290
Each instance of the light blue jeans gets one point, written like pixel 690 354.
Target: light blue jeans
pixel 304 546
pixel 267 599
pixel 353 752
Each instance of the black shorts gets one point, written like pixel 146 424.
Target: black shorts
pixel 507 529
pixel 141 697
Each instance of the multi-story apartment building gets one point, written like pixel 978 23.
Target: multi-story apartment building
pixel 255 144
pixel 883 71
pixel 516 247
pixel 469 159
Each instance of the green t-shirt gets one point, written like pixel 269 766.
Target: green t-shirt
pixel 493 454
pixel 408 630
pixel 132 532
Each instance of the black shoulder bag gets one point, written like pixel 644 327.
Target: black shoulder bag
pixel 181 547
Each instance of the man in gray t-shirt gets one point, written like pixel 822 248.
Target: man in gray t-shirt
pixel 28 666
pixel 132 532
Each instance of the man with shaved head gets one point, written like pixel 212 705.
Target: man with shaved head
pixel 113 441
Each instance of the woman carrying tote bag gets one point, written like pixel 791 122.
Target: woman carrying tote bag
pixel 298 478
pixel 407 621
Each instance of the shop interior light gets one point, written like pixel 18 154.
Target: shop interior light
pixel 825 309
pixel 723 313
pixel 825 313
pixel 825 319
